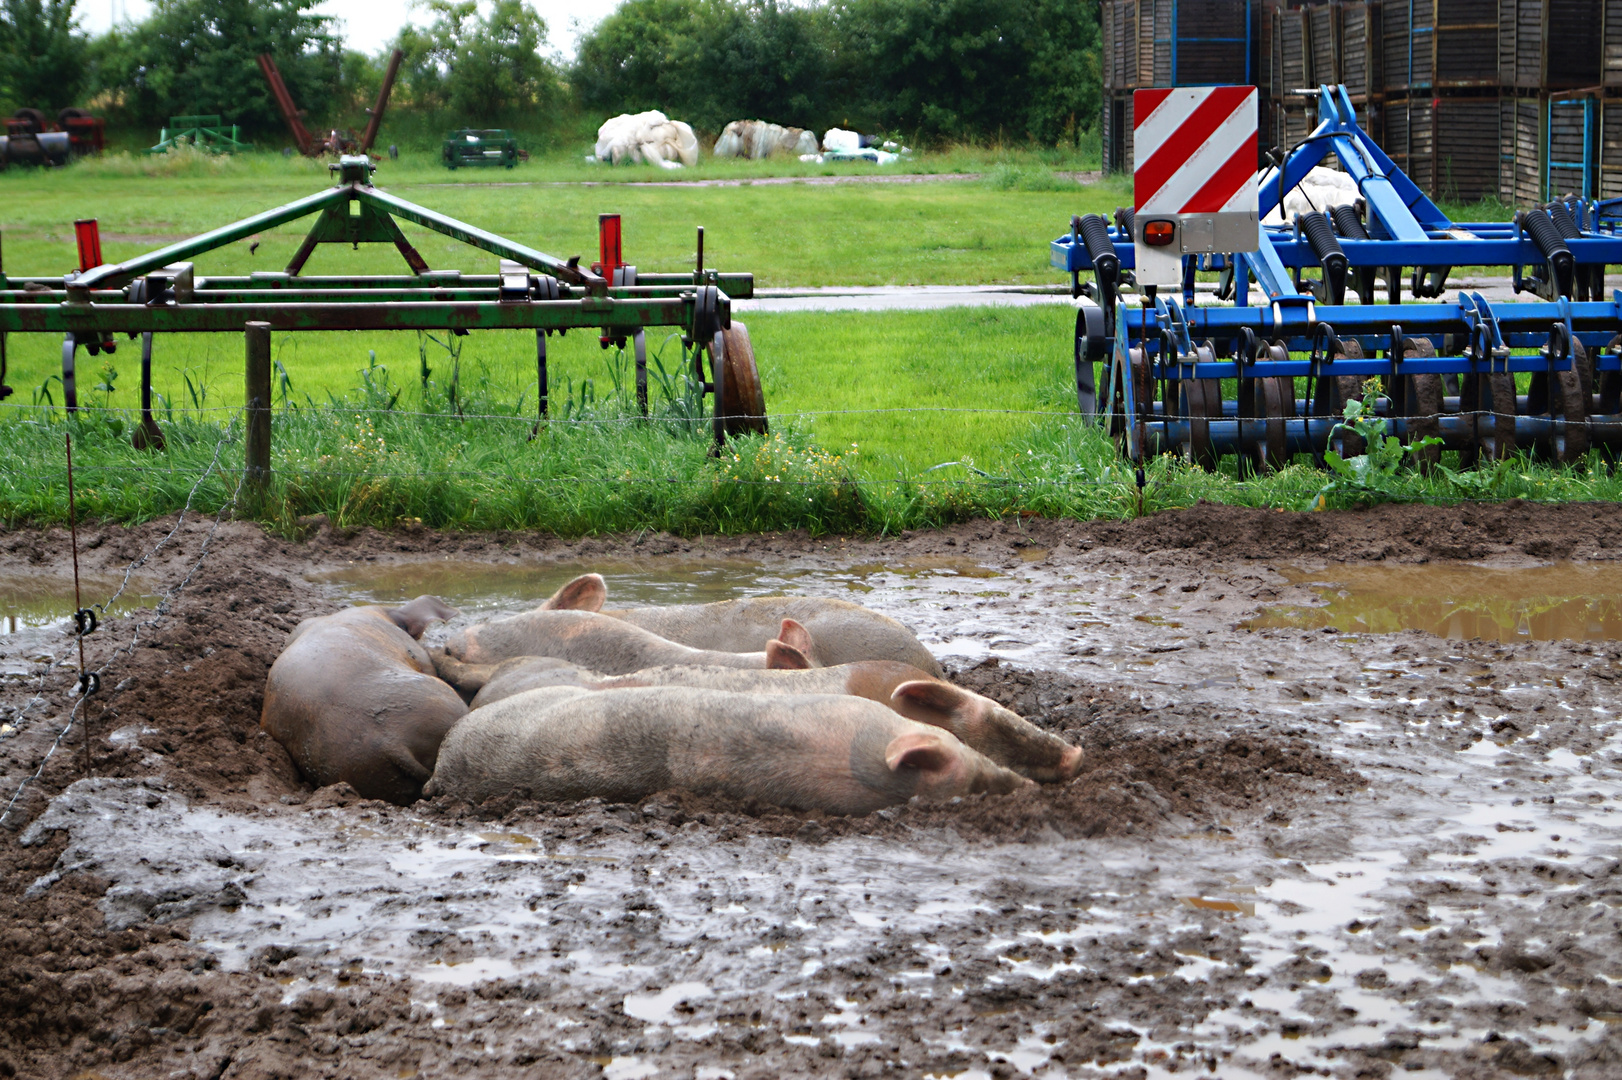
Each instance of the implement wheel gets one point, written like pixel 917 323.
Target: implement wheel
pixel 1332 396
pixel 1422 406
pixel 1569 398
pixel 740 403
pixel 1489 400
pixel 1273 402
pixel 1200 400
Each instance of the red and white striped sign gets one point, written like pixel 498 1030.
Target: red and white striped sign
pixel 1194 150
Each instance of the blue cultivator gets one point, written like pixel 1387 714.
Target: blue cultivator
pixel 1447 369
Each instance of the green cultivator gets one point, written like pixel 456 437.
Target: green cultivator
pixel 161 293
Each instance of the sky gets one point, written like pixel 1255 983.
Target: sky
pixel 368 25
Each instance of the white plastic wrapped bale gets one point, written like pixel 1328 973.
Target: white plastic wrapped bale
pixel 841 145
pixel 757 139
pixel 1321 189
pixel 648 136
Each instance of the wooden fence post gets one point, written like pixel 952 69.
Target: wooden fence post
pixel 256 398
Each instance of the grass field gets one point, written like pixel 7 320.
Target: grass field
pixel 948 232
pixel 880 421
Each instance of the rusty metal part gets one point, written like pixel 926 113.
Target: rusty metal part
pixel 375 120
pixel 740 404
pixel 291 113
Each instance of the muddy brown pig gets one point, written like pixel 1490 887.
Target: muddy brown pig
pixel 839 754
pixel 844 632
pixel 978 722
pixel 354 697
pixel 611 646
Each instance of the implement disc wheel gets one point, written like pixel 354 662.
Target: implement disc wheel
pixel 1490 401
pixel 1126 429
pixel 1337 392
pixel 1422 406
pixel 1200 400
pixel 740 403
pixel 1274 403
pixel 1569 400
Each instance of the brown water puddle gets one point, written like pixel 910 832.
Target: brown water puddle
pixel 482 585
pixel 33 600
pixel 1581 601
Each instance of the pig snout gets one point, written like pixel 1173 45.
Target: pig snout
pixel 1003 736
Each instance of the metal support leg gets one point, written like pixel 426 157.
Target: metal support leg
pixel 256 398
pixel 70 388
pixel 640 343
pixel 148 436
pixel 540 370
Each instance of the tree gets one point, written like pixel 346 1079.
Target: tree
pixel 942 69
pixel 42 54
pixel 199 56
pixel 481 67
pixel 710 61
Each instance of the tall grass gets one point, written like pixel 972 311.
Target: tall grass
pixel 357 461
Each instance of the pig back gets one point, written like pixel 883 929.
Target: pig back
pixel 844 632
pixel 587 639
pixel 807 752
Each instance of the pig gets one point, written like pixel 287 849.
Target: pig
pixel 480 684
pixel 978 722
pixel 838 754
pixel 354 697
pixel 611 646
pixel 844 632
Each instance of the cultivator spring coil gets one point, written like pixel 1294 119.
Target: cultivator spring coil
pixel 160 293
pixel 1488 379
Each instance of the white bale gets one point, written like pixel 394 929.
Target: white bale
pixel 757 139
pixel 1321 189
pixel 840 140
pixel 647 136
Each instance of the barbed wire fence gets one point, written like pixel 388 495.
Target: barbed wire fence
pixel 81 690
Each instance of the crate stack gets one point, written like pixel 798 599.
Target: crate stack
pixel 1320 43
pixel 1151 43
pixel 1518 99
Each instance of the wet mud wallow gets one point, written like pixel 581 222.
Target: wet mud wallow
pixel 1296 845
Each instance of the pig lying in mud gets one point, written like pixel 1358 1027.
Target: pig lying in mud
pixel 978 722
pixel 842 755
pixel 610 645
pixel 844 632
pixel 354 697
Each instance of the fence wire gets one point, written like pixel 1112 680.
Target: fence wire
pixel 159 612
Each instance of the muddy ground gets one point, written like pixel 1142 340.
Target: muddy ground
pixel 1293 851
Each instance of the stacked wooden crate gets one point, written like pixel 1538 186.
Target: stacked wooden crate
pixel 1517 99
pixel 1151 43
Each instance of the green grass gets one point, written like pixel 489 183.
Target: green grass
pixel 881 421
pixel 984 358
pixel 950 232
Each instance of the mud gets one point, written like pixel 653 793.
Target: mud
pixel 1292 850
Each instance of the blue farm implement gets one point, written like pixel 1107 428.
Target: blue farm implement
pixel 1289 349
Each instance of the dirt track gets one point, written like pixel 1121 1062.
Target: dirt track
pixel 1292 851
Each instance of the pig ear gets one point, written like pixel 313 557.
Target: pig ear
pixel 796 636
pixel 784 657
pixel 585 593
pixel 924 750
pixel 932 695
pixel 414 617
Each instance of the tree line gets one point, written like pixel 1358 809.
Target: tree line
pixel 933 70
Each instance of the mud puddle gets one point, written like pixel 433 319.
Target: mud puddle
pixel 33 601
pixel 1438 896
pixel 1538 603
